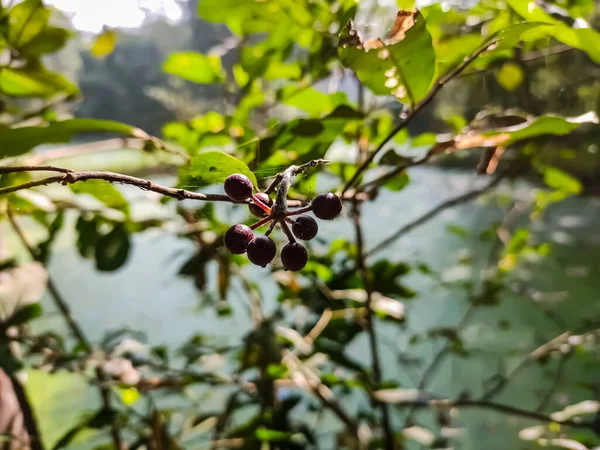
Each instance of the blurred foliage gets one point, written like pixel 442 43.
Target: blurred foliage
pixel 253 87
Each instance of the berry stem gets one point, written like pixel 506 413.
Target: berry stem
pixel 287 231
pixel 260 204
pixel 299 211
pixel 271 227
pixel 260 223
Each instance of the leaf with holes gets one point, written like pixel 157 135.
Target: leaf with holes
pixel 404 69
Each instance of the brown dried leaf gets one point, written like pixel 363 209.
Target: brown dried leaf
pixel 468 140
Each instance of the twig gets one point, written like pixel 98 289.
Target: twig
pixel 471 195
pixel 293 171
pixel 370 325
pixel 562 364
pixel 74 327
pixel 506 409
pixel 71 176
pixel 437 360
pixel 440 83
pixel 310 380
pixel 59 301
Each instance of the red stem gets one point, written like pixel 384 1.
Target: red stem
pixel 260 223
pixel 260 204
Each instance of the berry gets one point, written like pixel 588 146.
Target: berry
pixel 257 210
pixel 238 187
pixel 294 256
pixel 305 228
pixel 237 238
pixel 326 206
pixel 261 250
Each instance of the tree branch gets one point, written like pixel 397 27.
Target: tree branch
pixel 370 325
pixel 71 176
pixel 471 195
pixel 74 327
pixel 440 83
pixel 499 407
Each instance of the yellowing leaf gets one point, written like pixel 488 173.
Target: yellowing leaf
pixel 196 67
pixel 510 76
pixel 104 44
pixel 129 396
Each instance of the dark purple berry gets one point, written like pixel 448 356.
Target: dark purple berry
pixel 257 210
pixel 326 206
pixel 238 187
pixel 237 238
pixel 261 250
pixel 305 228
pixel 294 256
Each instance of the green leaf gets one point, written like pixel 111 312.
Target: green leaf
pixel 404 69
pixel 386 275
pixel 397 183
pixel 196 67
pixel 254 16
pixel 103 191
pixel 405 4
pixel 510 76
pixel 25 21
pixel 112 249
pixel 48 41
pixel 551 125
pixel 584 39
pixel 562 181
pixel 104 44
pixel 266 435
pixel 17 141
pixel 25 314
pixel 34 82
pixel 61 401
pixel 314 102
pixel 212 168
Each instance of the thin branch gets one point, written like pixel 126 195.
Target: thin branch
pixel 562 364
pixel 471 195
pixel 499 407
pixel 440 83
pixel 293 171
pixel 71 176
pixel 314 384
pixel 63 307
pixel 59 301
pixel 437 360
pixel 370 325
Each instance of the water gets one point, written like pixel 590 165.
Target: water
pixel 147 295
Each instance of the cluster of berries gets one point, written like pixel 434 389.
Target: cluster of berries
pixel 261 249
